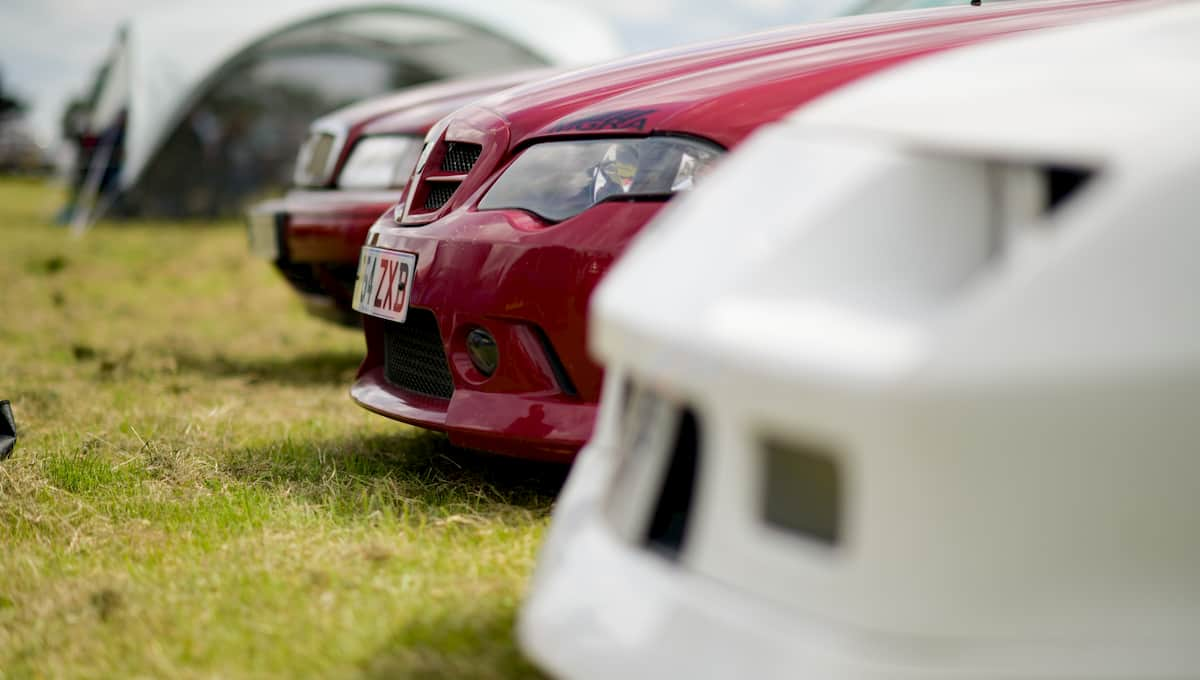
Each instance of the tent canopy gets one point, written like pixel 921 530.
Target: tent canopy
pixel 165 58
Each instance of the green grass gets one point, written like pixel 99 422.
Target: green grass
pixel 193 495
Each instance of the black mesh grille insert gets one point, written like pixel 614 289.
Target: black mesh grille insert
pixel 439 193
pixel 668 527
pixel 414 357
pixel 460 157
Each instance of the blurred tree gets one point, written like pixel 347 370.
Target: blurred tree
pixel 9 103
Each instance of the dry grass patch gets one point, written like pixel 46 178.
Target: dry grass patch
pixel 194 495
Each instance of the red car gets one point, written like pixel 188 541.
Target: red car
pixel 352 167
pixel 475 290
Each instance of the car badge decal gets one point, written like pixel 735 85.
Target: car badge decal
pixel 627 119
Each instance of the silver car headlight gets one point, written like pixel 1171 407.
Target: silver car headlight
pixel 558 180
pixel 383 162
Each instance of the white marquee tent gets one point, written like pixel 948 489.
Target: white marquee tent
pixel 166 59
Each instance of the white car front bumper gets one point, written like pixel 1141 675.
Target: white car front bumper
pixel 601 607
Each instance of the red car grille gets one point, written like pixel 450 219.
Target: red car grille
pixel 460 157
pixel 414 358
pixel 453 161
pixel 439 193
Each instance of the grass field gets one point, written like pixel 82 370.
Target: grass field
pixel 193 495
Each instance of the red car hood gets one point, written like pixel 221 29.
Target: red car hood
pixel 723 90
pixel 418 107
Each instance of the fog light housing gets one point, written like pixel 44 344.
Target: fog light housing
pixel 482 349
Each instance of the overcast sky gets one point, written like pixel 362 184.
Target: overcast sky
pixel 49 49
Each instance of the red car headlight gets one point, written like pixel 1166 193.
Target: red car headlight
pixel 558 180
pixel 383 162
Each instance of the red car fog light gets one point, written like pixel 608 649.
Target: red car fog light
pixel 482 349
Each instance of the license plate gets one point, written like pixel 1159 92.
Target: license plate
pixel 384 283
pixel 263 234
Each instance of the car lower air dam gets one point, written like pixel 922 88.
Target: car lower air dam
pixel 558 180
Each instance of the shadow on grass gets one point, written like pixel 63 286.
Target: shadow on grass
pixel 412 473
pixel 467 644
pixel 292 369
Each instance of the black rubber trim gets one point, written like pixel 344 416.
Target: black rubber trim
pixel 281 244
pixel 8 429
pixel 556 364
pixel 668 529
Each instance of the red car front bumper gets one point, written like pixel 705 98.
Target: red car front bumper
pixel 529 286
pixel 313 238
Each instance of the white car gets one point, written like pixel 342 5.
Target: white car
pixel 910 389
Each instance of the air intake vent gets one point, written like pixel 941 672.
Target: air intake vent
pixel 414 358
pixel 556 364
pixel 802 491
pixel 1062 183
pixel 439 194
pixel 460 157
pixel 668 527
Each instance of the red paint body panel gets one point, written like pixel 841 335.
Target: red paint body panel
pixel 815 49
pixel 330 226
pixel 414 110
pixel 507 271
pixel 525 277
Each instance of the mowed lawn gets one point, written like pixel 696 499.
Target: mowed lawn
pixel 193 494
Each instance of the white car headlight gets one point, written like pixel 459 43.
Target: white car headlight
pixel 383 162
pixel 558 180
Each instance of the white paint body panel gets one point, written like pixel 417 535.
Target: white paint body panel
pixel 1013 409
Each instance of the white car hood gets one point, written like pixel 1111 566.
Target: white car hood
pixel 787 285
